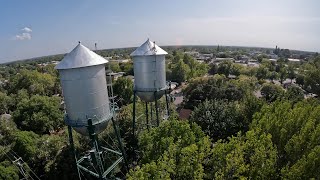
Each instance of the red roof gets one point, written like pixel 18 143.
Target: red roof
pixel 185 113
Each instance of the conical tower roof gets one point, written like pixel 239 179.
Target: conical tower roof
pixel 79 57
pixel 148 48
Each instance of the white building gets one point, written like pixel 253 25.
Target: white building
pixel 294 60
pixel 120 60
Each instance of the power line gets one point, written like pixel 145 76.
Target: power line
pixel 19 163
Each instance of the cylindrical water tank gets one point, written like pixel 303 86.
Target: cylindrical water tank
pixel 83 82
pixel 149 71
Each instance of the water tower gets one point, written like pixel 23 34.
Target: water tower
pixel 88 109
pixel 149 78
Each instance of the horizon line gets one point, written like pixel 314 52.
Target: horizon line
pixel 12 61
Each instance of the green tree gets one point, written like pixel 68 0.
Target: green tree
pixel 177 56
pixel 248 70
pixel 249 156
pixel 34 82
pixel 262 72
pixel 168 72
pixel 300 79
pixel 17 98
pixel 114 66
pixel 187 59
pixel 305 168
pixel 8 171
pixel 123 88
pixel 197 69
pixel 295 130
pixel 174 150
pixel 217 87
pixel 261 57
pixel 7 130
pixel 245 83
pixel 294 93
pixel 5 103
pixel 26 145
pixel 250 105
pixel 283 73
pixel 219 119
pixel 236 69
pixel 213 69
pixel 272 76
pixel 291 73
pixel 312 80
pixel 225 68
pixel 271 65
pixel 62 165
pixel 50 69
pixel 43 153
pixel 40 114
pixel 54 156
pixel 180 72
pixel 127 67
pixel 271 92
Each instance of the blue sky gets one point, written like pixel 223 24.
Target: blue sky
pixel 44 27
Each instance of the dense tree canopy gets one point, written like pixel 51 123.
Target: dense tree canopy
pixel 219 119
pixel 232 133
pixel 216 87
pixel 34 82
pixel 247 84
pixel 225 68
pixel 180 72
pixel 249 156
pixel 312 80
pixel 40 114
pixel 127 67
pixel 262 72
pixel 174 150
pixel 26 145
pixel 185 67
pixel 294 93
pixel 5 103
pixel 123 88
pixel 271 92
pixel 295 133
pixel 8 171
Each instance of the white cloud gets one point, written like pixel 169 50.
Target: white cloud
pixel 23 36
pixel 26 29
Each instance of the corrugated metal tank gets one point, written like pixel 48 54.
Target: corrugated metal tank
pixel 149 71
pixel 83 82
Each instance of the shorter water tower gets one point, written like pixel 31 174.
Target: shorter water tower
pixel 88 109
pixel 149 77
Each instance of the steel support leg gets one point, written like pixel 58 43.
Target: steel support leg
pixel 115 127
pixel 147 116
pixel 73 150
pixel 156 104
pixel 167 103
pixel 151 112
pixel 134 114
pixel 94 144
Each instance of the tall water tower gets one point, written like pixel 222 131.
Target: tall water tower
pixel 88 109
pixel 149 78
